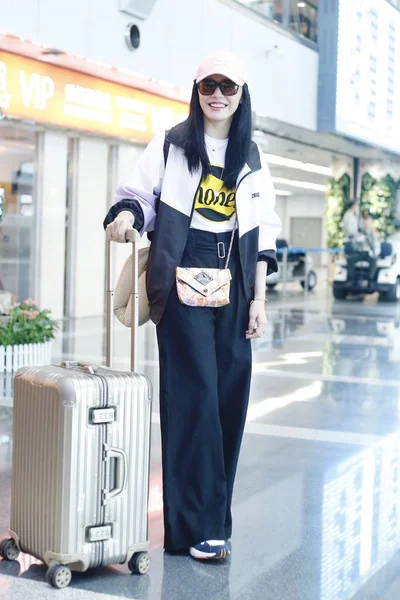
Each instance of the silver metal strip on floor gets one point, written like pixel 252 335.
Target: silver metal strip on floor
pixel 319 377
pixel 315 435
pixel 299 433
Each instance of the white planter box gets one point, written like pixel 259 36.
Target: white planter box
pixel 13 358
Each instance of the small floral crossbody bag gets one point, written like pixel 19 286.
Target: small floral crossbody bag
pixel 197 286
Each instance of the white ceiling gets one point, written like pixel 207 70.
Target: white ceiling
pixel 274 145
pixel 293 150
pixel 321 149
pixel 321 141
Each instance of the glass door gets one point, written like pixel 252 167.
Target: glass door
pixel 17 209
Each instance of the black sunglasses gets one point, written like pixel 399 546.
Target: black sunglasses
pixel 207 87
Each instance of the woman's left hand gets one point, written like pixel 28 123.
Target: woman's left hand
pixel 257 320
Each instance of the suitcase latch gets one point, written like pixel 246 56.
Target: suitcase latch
pixel 103 415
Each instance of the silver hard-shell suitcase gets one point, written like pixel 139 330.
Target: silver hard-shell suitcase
pixel 81 455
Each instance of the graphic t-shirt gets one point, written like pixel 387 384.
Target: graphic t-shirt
pixel 214 205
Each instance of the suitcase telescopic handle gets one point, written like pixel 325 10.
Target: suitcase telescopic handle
pixel 122 474
pixel 133 237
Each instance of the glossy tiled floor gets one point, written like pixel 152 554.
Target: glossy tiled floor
pixel 317 500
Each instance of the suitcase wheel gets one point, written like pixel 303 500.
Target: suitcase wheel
pixel 59 576
pixel 9 550
pixel 139 563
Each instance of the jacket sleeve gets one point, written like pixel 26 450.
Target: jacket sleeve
pixel 270 223
pixel 140 193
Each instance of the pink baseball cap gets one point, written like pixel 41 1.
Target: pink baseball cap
pixel 222 63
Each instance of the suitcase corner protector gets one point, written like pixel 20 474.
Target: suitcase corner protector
pixel 67 392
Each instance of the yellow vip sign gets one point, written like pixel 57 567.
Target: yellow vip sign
pixel 45 93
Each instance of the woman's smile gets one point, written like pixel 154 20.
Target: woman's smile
pixel 217 105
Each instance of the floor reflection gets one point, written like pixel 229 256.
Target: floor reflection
pixel 313 520
pixel 365 348
pixel 361 519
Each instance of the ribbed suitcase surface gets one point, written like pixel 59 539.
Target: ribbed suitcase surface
pixel 81 465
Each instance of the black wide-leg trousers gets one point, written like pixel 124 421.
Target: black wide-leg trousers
pixel 205 372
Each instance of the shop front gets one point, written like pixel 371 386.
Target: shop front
pixel 66 139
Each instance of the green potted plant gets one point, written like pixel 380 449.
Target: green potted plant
pixel 26 335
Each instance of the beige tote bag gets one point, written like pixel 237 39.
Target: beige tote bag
pixel 123 291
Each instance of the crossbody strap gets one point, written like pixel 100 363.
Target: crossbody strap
pixel 231 243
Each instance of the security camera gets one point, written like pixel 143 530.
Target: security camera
pixel 132 36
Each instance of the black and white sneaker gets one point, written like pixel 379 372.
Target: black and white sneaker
pixel 211 549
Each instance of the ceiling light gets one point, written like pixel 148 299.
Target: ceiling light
pixel 301 4
pixel 297 164
pixel 305 185
pixel 283 193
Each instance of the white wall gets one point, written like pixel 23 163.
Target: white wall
pixel 377 169
pixel 126 158
pixel 341 165
pixel 301 206
pixel 288 207
pixel 90 209
pixel 280 208
pixel 380 169
pixel 178 33
pixel 50 247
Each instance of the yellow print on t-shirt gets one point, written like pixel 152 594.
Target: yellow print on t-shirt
pixel 213 200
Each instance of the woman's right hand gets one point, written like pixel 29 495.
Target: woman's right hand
pixel 116 231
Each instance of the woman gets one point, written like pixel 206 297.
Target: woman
pixel 196 189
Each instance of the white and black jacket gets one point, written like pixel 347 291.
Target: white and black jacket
pixel 168 215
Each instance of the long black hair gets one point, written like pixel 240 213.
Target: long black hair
pixel 193 144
